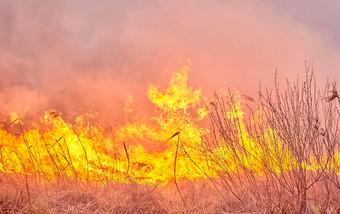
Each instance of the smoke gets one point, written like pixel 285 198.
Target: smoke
pixel 80 56
pixel 323 18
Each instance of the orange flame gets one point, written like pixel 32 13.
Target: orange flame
pixel 86 152
pixel 89 153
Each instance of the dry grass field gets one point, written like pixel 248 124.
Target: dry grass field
pixel 282 158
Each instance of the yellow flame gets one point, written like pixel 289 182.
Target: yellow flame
pixel 178 96
pixel 140 151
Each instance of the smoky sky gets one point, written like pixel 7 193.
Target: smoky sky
pixel 80 56
pixel 322 18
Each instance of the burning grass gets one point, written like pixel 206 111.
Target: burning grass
pixel 283 157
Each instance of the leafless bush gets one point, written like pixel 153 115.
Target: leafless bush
pixel 281 155
pixel 307 125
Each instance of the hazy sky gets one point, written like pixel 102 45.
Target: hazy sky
pixel 77 56
pixel 323 18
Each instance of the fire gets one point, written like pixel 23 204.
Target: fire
pixel 85 152
pixel 57 148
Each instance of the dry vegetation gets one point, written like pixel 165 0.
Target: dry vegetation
pixel 293 169
pixel 284 158
pixel 19 194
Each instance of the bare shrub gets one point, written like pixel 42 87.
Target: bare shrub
pixel 307 127
pixel 281 155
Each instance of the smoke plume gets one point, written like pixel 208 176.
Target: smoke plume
pixel 81 56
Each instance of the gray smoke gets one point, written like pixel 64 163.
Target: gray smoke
pixel 80 56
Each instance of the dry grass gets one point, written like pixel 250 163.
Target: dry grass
pixel 199 196
pixel 17 196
